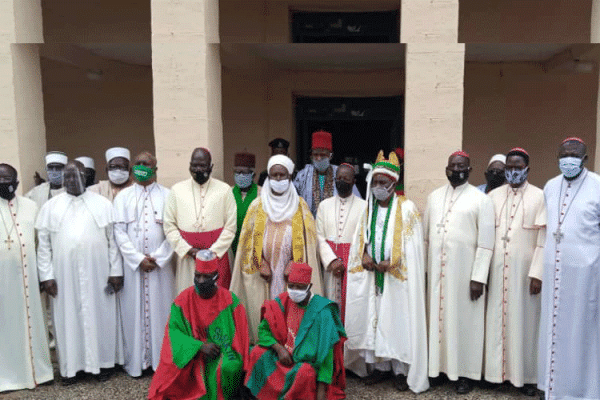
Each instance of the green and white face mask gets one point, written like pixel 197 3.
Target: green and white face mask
pixel 142 173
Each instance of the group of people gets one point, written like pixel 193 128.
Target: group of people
pixel 276 290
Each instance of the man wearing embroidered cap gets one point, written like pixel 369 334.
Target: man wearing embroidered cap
pixel 513 304
pixel 244 191
pixel 205 347
pixel 299 353
pixel 459 229
pixel 55 164
pixel 494 174
pixel 569 347
pixel 278 146
pixel 315 182
pixel 278 229
pixel 118 171
pixel 90 170
pixel 385 309
pixel 200 214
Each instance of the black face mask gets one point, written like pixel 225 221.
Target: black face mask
pixel 206 287
pixel 201 177
pixel 7 190
pixel 457 177
pixel 494 179
pixel 343 188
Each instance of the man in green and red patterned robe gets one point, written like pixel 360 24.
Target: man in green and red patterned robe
pixel 205 348
pixel 300 347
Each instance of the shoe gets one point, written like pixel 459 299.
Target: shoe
pixel 400 383
pixel 68 381
pixel 376 377
pixel 528 390
pixel 104 375
pixel 463 386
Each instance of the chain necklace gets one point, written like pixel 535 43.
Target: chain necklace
pixel 558 235
pixel 145 194
pixel 8 240
pixel 197 224
pixel 441 224
pixel 506 239
pixel 337 217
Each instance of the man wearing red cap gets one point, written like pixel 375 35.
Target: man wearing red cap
pixel 205 348
pixel 513 304
pixel 315 182
pixel 569 347
pixel 299 354
pixel 459 229
pixel 244 191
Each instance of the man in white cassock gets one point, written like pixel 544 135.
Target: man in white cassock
pixel 200 213
pixel 513 303
pixel 118 171
pixel 149 276
pixel 386 319
pixel 55 163
pixel 459 229
pixel 80 267
pixel 337 218
pixel 569 346
pixel 24 347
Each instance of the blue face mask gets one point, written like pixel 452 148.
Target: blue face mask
pixel 322 164
pixel 243 180
pixel 55 177
pixel 570 166
pixel 516 176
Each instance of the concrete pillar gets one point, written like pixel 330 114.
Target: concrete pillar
pixel 433 114
pixel 595 22
pixel 186 71
pixel 431 21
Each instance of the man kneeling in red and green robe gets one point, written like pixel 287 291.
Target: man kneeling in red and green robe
pixel 300 345
pixel 205 348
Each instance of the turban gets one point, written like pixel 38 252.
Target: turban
pixel 300 273
pixel 497 157
pixel 280 159
pixel 117 152
pixel 322 140
pixel 56 157
pixel 207 267
pixel 87 162
pixel 244 160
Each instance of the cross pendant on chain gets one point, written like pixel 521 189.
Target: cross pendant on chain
pixel 137 230
pixel 558 235
pixel 8 242
pixel 440 227
pixel 506 240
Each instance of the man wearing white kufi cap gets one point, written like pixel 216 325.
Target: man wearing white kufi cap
pixel 118 171
pixel 90 170
pixel 278 229
pixel 55 163
pixel 494 174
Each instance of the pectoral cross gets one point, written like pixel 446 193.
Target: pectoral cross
pixel 506 240
pixel 440 227
pixel 137 230
pixel 8 242
pixel 558 235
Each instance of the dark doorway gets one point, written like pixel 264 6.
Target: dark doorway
pixel 345 27
pixel 360 127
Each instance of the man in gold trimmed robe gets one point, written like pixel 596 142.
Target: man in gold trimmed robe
pixel 385 308
pixel 278 229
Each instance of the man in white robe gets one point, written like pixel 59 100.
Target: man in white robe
pixel 24 347
pixel 459 229
pixel 513 304
pixel 149 276
pixel 569 347
pixel 200 213
pixel 118 171
pixel 55 163
pixel 386 320
pixel 80 267
pixel 337 218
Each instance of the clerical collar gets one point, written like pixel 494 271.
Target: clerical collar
pixel 459 186
pixel 148 188
pixel 204 185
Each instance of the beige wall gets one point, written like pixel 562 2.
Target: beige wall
pixel 525 21
pixel 256 111
pixel 523 106
pixel 85 117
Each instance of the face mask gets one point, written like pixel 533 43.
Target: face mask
pixel 280 186
pixel 381 193
pixel 458 177
pixel 74 184
pixel 207 286
pixel 55 177
pixel 7 190
pixel 343 188
pixel 201 177
pixel 322 164
pixel 118 176
pixel 494 179
pixel 243 180
pixel 297 295
pixel 570 166
pixel 142 173
pixel 516 176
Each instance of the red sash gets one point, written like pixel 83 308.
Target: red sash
pixel 342 250
pixel 203 240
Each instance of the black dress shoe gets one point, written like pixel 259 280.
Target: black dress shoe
pixel 376 377
pixel 400 383
pixel 463 386
pixel 528 390
pixel 68 381
pixel 105 374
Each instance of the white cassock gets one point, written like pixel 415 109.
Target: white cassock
pixel 389 329
pixel 77 249
pixel 569 347
pixel 24 354
pixel 146 296
pixel 42 193
pixel 513 314
pixel 459 228
pixel 336 221
pixel 195 208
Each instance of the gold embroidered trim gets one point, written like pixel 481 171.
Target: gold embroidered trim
pixel 361 248
pixel 398 266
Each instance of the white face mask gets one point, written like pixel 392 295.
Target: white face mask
pixel 570 166
pixel 382 193
pixel 118 176
pixel 297 295
pixel 280 186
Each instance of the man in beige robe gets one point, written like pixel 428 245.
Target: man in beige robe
pixel 513 306
pixel 459 229
pixel 337 218
pixel 118 171
pixel 278 229
pixel 55 163
pixel 200 213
